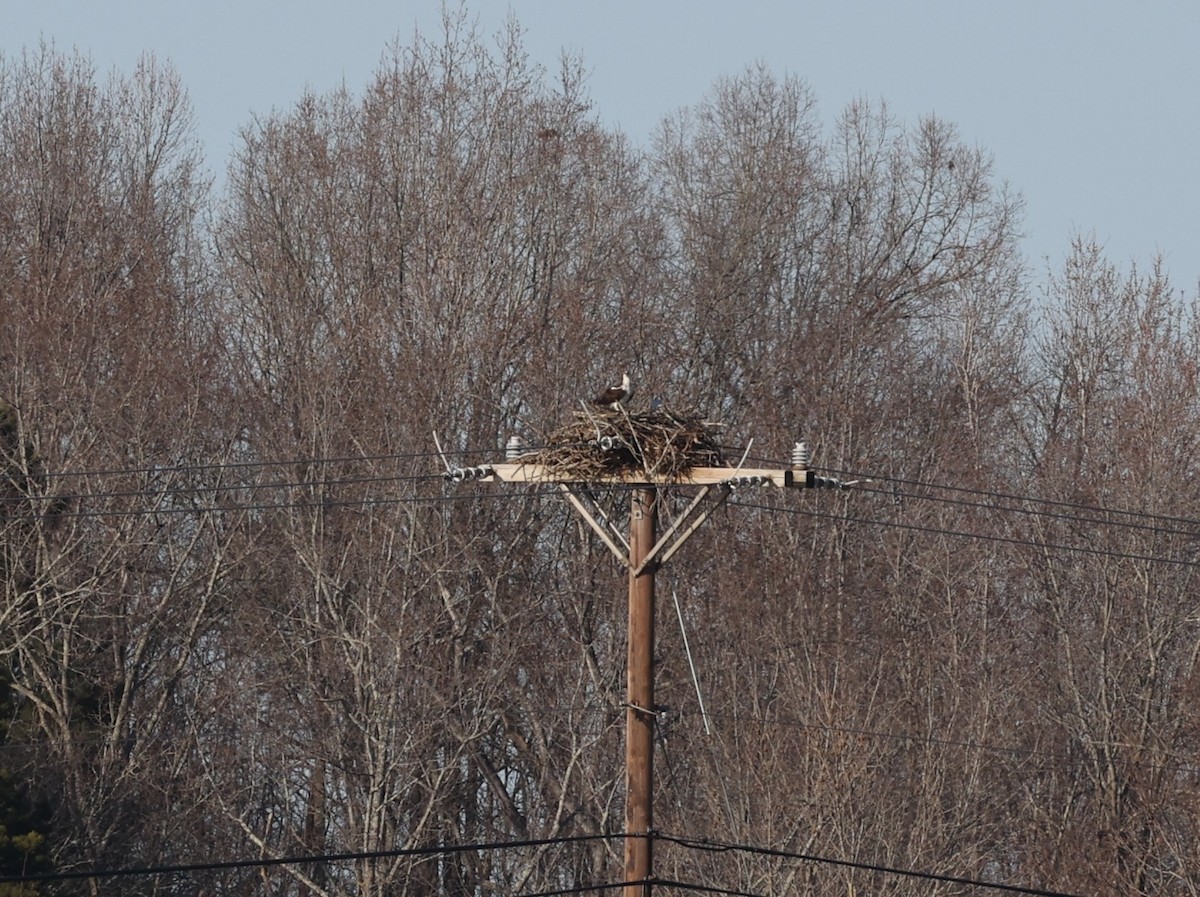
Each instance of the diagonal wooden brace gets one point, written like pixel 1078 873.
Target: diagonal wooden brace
pixel 606 520
pixel 621 556
pixel 652 555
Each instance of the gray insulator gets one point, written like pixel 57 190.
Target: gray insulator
pixel 801 456
pixel 747 482
pixel 459 474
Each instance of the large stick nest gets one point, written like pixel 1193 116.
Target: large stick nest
pixel 604 442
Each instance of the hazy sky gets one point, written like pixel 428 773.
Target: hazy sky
pixel 1091 110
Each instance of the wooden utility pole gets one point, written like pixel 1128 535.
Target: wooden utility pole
pixel 643 553
pixel 640 712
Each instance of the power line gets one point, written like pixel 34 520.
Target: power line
pixel 706 889
pixel 1008 496
pixel 533 490
pixel 323 504
pixel 210 466
pixel 180 491
pixel 865 477
pixel 581 889
pixel 174 468
pixel 963 534
pixel 1030 512
pixel 251 487
pixel 265 862
pixel 722 847
pixel 175 489
pixel 168 468
pixel 449 850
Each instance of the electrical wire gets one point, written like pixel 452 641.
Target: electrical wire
pixel 722 847
pixel 266 862
pixel 449 850
pixel 705 889
pixel 963 534
pixel 581 889
pixel 323 461
pixel 323 504
pixel 534 490
pixel 204 467
pixel 771 508
pixel 1030 512
pixel 180 491
pixel 402 478
pixel 176 489
pixel 180 468
pixel 168 467
pixel 687 843
pixel 865 477
pixel 1008 496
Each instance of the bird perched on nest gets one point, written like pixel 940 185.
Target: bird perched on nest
pixel 614 395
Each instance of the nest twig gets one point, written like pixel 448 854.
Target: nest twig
pixel 599 443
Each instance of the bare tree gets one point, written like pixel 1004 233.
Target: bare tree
pixel 243 615
pixel 1112 630
pixel 433 256
pixel 113 565
pixel 861 291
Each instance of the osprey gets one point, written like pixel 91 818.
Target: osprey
pixel 613 396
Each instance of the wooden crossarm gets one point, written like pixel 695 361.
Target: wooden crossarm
pixel 697 476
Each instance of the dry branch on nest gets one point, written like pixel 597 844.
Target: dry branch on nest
pixel 603 443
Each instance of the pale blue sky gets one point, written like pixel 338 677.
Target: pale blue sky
pixel 1090 109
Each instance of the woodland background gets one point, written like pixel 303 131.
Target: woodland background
pixel 243 615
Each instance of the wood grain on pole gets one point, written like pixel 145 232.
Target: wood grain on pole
pixel 639 746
